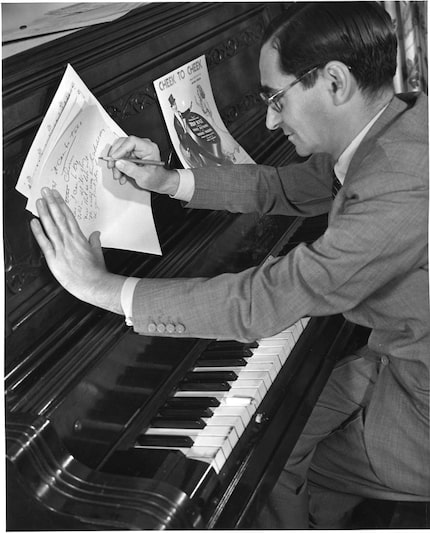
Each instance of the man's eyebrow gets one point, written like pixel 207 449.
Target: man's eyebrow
pixel 265 89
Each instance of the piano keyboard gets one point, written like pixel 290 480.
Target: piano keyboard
pixel 217 399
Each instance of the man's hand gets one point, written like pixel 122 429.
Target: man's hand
pixel 148 177
pixel 76 262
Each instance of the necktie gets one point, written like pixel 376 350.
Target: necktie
pixel 336 186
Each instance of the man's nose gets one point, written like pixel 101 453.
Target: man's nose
pixel 273 119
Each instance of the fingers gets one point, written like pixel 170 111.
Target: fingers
pixel 94 239
pixel 127 147
pixel 95 243
pixel 134 147
pixel 130 169
pixel 56 218
pixel 55 200
pixel 52 230
pixel 119 176
pixel 41 239
pixel 122 147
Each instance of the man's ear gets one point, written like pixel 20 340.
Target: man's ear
pixel 339 81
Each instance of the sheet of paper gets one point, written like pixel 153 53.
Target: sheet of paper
pixel 196 129
pixel 65 153
pixel 22 20
pixel 26 25
pixel 67 93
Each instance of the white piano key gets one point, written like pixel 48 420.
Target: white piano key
pixel 266 376
pixel 216 431
pixel 213 440
pixel 238 401
pixel 210 454
pixel 270 369
pixel 298 327
pixel 272 357
pixel 295 329
pixel 226 415
pixel 279 336
pixel 202 369
pixel 245 411
pixel 253 388
pixel 305 321
pixel 167 448
pixel 281 347
pixel 232 433
pixel 269 347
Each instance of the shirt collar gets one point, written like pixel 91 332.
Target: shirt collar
pixel 342 164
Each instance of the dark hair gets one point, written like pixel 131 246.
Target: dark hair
pixel 359 34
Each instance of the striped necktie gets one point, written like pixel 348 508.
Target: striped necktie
pixel 336 186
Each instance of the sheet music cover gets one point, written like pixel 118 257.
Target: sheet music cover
pixel 75 132
pixel 196 129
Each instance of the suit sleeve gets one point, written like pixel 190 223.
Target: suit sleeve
pixel 368 245
pixel 302 189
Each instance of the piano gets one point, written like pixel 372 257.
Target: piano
pixel 107 429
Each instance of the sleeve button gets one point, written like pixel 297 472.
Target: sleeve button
pixel 170 328
pixel 152 328
pixel 180 328
pixel 161 328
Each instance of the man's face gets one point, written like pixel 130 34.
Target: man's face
pixel 304 115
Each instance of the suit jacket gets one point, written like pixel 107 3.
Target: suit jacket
pixel 371 264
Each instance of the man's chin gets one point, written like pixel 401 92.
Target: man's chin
pixel 302 151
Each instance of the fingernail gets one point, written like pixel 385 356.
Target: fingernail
pixel 120 165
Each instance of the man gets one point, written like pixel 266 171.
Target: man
pixel 326 72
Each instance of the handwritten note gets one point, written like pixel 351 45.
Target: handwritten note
pixel 75 132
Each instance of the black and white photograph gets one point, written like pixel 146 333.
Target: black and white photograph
pixel 215 246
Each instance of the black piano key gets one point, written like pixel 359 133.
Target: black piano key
pixel 226 354
pixel 231 345
pixel 191 403
pixel 190 414
pixel 160 422
pixel 202 363
pixel 167 441
pixel 210 375
pixel 253 344
pixel 203 386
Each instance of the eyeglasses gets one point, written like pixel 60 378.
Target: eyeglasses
pixel 274 101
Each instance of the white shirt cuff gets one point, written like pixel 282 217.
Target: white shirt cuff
pixel 127 292
pixel 186 185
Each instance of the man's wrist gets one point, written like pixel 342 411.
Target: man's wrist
pixel 127 292
pixel 106 292
pixel 172 182
pixel 186 186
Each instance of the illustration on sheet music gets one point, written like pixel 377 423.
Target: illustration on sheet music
pixel 196 129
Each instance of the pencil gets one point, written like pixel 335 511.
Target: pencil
pixel 137 161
